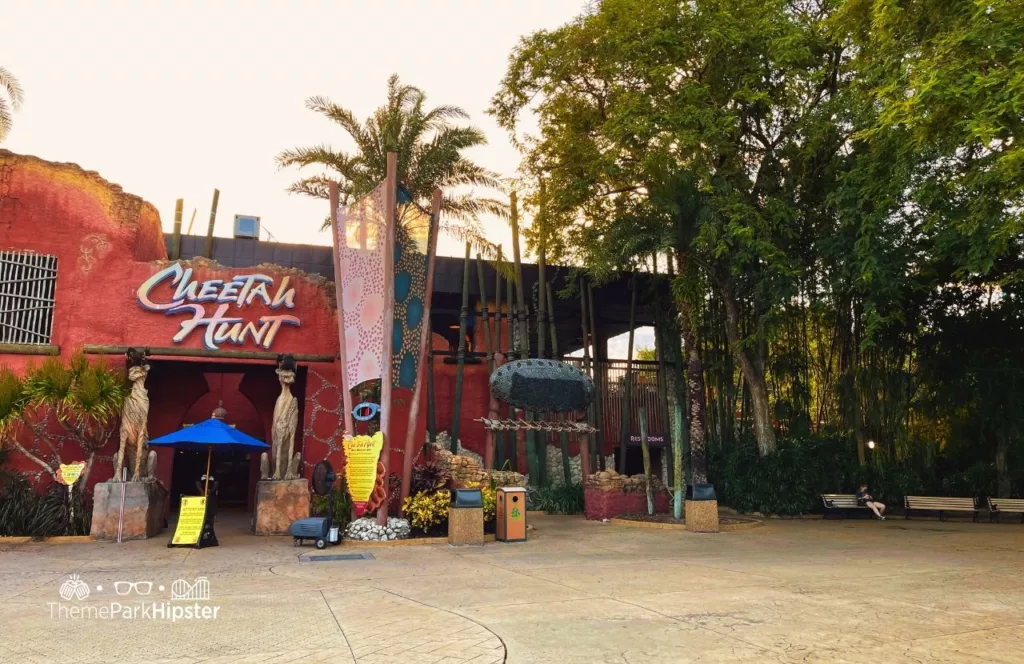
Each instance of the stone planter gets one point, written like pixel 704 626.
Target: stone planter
pixel 279 503
pixel 144 510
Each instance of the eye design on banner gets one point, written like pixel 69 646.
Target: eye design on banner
pixel 365 411
pixel 189 297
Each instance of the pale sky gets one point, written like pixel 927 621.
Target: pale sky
pixel 173 99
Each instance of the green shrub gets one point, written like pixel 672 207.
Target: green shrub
pixel 558 499
pixel 342 504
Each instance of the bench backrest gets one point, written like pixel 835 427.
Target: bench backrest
pixel 939 503
pixel 1006 504
pixel 839 500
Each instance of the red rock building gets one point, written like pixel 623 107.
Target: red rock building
pixel 105 260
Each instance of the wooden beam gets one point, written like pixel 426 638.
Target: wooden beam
pixel 177 351
pixel 29 349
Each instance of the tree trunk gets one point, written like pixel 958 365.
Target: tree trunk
pixel 695 395
pixel 753 375
pixel 1002 469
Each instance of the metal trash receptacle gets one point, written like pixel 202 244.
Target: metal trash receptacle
pixel 511 514
pixel 466 518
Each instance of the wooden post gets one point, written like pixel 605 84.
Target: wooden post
pixel 208 251
pixel 346 394
pixel 391 219
pixel 461 356
pixel 176 237
pixel 588 369
pixel 563 436
pixel 492 402
pixel 425 332
pixel 532 460
pixel 600 373
pixel 646 451
pixel 206 484
pixel 628 391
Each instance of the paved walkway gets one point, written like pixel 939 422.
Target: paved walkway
pixel 578 592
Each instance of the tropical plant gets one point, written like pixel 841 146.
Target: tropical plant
pixel 490 502
pixel 430 149
pixel 429 477
pixel 556 499
pixel 342 504
pixel 13 100
pixel 81 397
pixel 427 511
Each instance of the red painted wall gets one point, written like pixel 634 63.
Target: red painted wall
pixel 107 244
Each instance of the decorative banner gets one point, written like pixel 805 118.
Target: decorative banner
pixel 361 239
pixel 412 242
pixel 361 455
pixel 190 521
pixel 68 473
pixel 243 290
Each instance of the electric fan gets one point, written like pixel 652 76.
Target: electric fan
pixel 318 528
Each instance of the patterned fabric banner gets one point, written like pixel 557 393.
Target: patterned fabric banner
pixel 412 239
pixel 361 242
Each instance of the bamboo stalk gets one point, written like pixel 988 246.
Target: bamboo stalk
pixel 492 402
pixel 461 357
pixel 176 236
pixel 499 436
pixel 628 395
pixel 563 437
pixel 208 251
pixel 532 460
pixel 662 382
pixel 512 350
pixel 588 368
pixel 600 385
pixel 645 449
pixel 677 454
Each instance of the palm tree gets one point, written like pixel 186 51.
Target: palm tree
pixel 430 155
pixel 12 102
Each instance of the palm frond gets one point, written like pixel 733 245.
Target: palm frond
pixel 9 83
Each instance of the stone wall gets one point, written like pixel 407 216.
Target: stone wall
pixel 601 504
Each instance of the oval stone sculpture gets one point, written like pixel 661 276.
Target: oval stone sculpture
pixel 542 386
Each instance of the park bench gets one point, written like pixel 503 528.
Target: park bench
pixel 996 507
pixel 940 505
pixel 837 503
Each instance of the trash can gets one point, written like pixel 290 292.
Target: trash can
pixel 701 508
pixel 466 517
pixel 511 514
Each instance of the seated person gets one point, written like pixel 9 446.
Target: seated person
pixel 867 500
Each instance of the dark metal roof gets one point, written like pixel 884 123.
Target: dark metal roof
pixel 611 300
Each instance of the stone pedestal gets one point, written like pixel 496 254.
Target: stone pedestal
pixel 144 510
pixel 465 526
pixel 702 516
pixel 279 503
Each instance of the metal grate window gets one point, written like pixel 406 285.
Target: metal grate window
pixel 27 285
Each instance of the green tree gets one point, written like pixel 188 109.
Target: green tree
pixel 82 398
pixel 430 149
pixel 10 102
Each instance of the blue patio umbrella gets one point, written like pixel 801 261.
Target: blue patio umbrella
pixel 209 435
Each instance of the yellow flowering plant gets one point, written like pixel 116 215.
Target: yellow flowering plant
pixel 490 498
pixel 427 510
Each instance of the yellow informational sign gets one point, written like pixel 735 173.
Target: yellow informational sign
pixel 190 520
pixel 361 456
pixel 68 473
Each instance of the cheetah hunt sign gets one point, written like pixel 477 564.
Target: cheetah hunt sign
pixel 241 292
